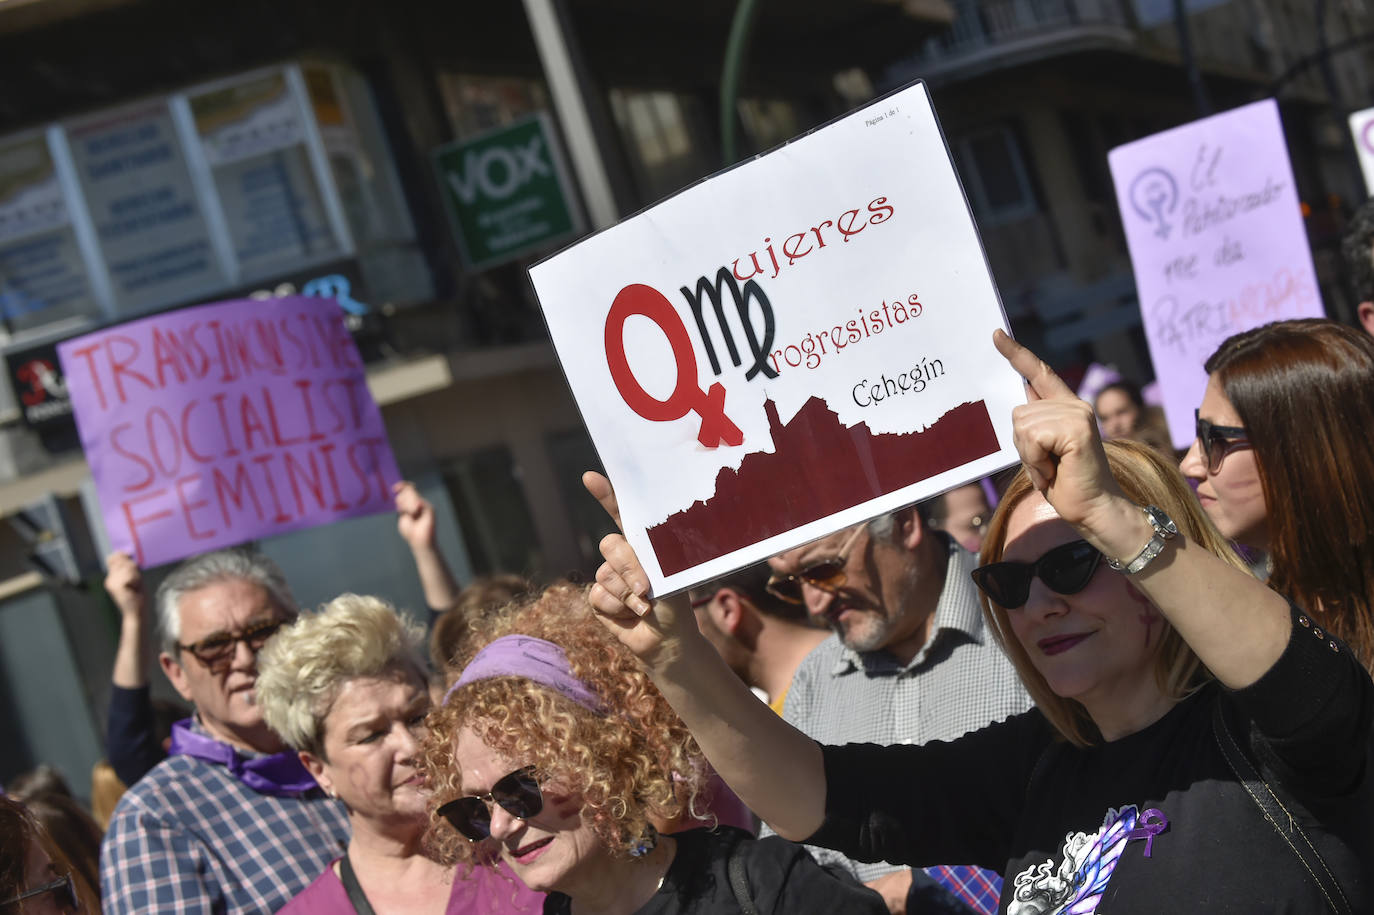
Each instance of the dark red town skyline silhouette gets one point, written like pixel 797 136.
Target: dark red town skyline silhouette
pixel 819 466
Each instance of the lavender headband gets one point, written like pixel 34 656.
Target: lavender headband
pixel 534 659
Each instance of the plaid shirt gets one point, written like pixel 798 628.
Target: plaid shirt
pixel 958 682
pixel 190 838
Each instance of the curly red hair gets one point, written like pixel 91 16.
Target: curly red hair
pixel 634 765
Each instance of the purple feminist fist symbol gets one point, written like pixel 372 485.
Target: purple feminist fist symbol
pixel 1154 195
pixel 1151 823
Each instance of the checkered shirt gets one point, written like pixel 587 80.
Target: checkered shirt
pixel 959 682
pixel 190 838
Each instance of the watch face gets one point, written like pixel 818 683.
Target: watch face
pixel 1162 523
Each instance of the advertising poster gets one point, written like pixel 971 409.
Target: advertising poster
pixel 42 275
pixel 508 192
pixel 253 135
pixel 30 196
pixel 1216 236
pixel 151 231
pixel 214 425
pixel 794 345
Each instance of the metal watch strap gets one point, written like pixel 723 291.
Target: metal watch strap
pixel 1164 531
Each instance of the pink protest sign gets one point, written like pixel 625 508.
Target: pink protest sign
pixel 213 425
pixel 1216 236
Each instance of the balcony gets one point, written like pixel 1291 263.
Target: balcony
pixel 989 35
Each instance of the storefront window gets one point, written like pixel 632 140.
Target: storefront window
pixel 393 268
pixel 668 137
pixel 42 276
pixel 477 103
pixel 253 137
pixel 571 453
pixel 279 178
pixel 768 122
pixel 148 223
pixel 492 511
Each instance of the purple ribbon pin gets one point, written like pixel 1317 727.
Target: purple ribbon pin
pixel 1151 823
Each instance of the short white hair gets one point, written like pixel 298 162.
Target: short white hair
pixel 302 668
pixel 237 564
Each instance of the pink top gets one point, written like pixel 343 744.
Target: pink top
pixel 486 891
pixel 726 808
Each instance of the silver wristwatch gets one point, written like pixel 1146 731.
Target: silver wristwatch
pixel 1165 530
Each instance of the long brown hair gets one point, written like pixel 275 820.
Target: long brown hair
pixel 20 829
pixel 1147 479
pixel 1305 392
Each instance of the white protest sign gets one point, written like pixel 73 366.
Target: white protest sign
pixel 794 345
pixel 1215 231
pixel 1362 126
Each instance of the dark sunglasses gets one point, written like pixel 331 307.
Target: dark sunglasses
pixel 65 885
pixel 828 575
pixel 518 794
pixel 217 649
pixel 1218 441
pixel 1066 569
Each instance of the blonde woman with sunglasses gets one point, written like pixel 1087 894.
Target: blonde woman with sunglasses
pixel 1200 744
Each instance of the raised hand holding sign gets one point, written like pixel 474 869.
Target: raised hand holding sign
pixel 789 347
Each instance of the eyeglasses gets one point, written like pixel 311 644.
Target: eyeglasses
pixel 1066 569
pixel 217 649
pixel 68 900
pixel 518 794
pixel 828 575
pixel 1218 441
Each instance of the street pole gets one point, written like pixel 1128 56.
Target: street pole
pixel 566 87
pixel 736 50
pixel 1185 50
pixel 1333 90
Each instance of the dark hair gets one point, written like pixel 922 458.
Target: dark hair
pixel 1129 388
pixel 74 831
pixel 1358 249
pixel 39 782
pixel 17 829
pixel 1305 393
pixel 752 582
pixel 485 594
pixel 20 829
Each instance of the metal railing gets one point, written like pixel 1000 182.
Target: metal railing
pixel 984 23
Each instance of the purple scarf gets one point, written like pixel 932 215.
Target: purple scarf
pixel 278 774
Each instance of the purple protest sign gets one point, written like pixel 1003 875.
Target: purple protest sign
pixel 214 425
pixel 1362 128
pixel 1215 231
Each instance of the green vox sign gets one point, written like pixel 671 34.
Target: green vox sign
pixel 508 192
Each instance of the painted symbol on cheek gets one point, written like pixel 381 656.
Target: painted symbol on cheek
pixel 1148 617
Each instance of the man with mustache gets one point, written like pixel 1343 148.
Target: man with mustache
pixel 910 660
pixel 231 821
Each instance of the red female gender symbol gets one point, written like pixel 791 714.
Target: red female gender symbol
pixel 687 396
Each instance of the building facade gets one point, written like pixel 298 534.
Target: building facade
pixel 156 154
